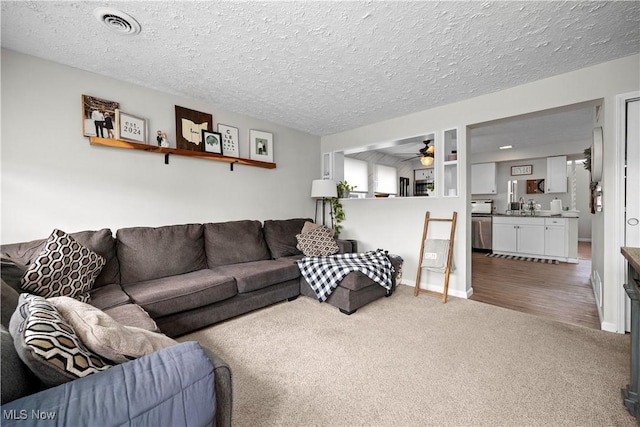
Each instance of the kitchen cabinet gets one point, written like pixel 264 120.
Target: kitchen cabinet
pixel 423 174
pixel 556 181
pixel 483 178
pixel 423 182
pixel 555 237
pixel 504 237
pixel 517 235
pixel 543 237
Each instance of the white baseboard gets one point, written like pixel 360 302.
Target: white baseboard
pixel 609 327
pixel 584 239
pixel 435 288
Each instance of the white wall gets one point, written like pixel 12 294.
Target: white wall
pixel 396 224
pixel 52 177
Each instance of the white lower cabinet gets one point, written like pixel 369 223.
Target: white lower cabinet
pixel 523 236
pixel 555 237
pixel 543 237
pixel 504 237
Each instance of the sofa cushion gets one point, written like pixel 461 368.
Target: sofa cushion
pixel 64 267
pixel 109 296
pixel 105 336
pixel 17 379
pixel 281 236
pixel 100 242
pixel 168 295
pixel 48 345
pixel 12 272
pixel 234 242
pixel 356 281
pixel 147 253
pixel 317 242
pixel 251 276
pixel 133 315
pixel 9 298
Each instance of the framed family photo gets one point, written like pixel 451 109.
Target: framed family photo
pixel 97 116
pixel 212 142
pixel 260 146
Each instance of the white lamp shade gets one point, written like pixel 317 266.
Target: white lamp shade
pixel 323 188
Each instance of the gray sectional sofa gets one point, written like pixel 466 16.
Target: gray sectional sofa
pixel 189 276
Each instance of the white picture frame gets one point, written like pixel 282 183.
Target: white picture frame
pixel 521 170
pixel 131 128
pixel 261 146
pixel 230 140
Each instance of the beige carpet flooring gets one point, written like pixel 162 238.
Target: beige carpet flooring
pixel 407 361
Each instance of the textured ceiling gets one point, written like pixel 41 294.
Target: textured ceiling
pixel 325 67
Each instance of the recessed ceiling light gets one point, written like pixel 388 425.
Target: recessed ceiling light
pixel 505 147
pixel 117 21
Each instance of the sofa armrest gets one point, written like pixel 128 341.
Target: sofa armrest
pixel 224 389
pixel 173 386
pixel 347 246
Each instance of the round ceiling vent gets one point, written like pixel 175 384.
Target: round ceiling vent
pixel 117 21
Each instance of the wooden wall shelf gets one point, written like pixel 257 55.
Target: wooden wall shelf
pixel 168 151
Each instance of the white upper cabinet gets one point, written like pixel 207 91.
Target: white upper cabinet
pixel 556 181
pixel 483 178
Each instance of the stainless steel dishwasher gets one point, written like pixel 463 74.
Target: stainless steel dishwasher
pixel 481 223
pixel 481 232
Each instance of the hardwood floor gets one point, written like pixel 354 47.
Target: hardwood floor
pixel 558 291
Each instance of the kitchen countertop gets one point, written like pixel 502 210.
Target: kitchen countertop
pixel 633 256
pixel 538 215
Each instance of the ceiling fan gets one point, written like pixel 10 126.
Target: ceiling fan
pixel 425 154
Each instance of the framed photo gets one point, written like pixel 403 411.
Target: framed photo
pixel 97 116
pixel 521 170
pixel 260 146
pixel 212 142
pixel 130 127
pixel 189 127
pixel 230 140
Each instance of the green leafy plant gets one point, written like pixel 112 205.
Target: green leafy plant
pixel 338 211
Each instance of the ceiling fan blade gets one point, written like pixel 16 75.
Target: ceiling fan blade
pixel 411 158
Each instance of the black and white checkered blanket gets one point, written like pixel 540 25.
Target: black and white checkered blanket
pixel 324 274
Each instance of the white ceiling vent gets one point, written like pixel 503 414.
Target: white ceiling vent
pixel 117 21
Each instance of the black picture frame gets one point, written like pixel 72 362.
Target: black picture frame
pixel 212 142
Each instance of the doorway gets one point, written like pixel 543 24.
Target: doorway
pixel 563 291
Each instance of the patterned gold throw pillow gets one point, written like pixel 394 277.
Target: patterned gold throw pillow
pixel 318 242
pixel 63 268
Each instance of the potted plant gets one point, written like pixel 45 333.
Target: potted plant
pixel 338 211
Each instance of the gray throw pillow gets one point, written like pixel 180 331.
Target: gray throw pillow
pixel 63 268
pixel 105 336
pixel 48 344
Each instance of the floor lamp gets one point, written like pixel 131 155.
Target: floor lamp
pixel 322 190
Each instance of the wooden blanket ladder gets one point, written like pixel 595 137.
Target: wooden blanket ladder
pixel 427 220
